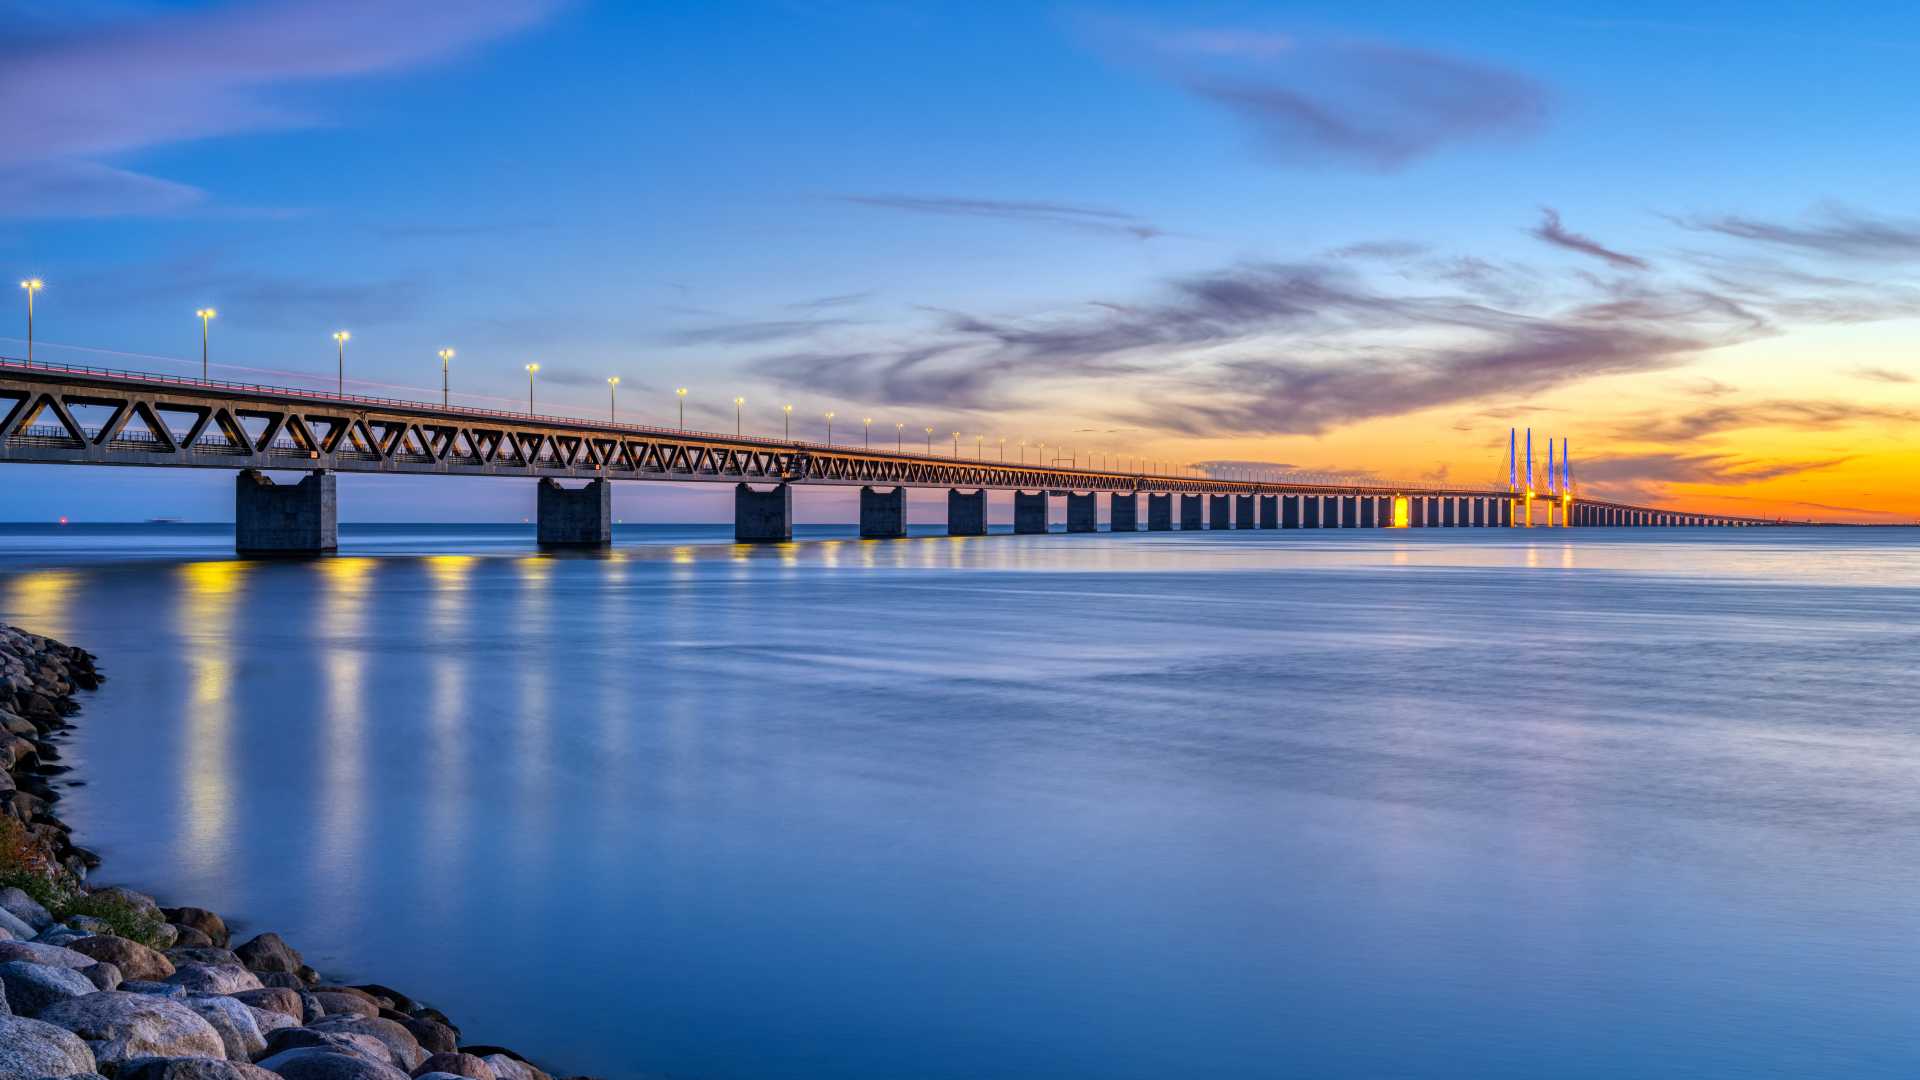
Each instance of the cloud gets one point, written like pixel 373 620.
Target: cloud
pixel 1551 231
pixel 753 333
pixel 1878 374
pixel 1833 232
pixel 1794 415
pixel 839 300
pixel 1378 249
pixel 1318 101
pixel 93 87
pixel 1054 214
pixel 1674 468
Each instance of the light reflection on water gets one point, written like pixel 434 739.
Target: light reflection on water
pixel 1240 804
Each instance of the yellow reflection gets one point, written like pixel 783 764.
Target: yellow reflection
pixel 1402 512
pixel 346 583
pixel 210 594
pixel 39 601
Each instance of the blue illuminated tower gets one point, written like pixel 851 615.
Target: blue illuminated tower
pixel 1549 463
pixel 1513 460
pixel 1529 459
pixel 1566 470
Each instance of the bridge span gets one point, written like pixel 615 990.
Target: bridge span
pixel 63 414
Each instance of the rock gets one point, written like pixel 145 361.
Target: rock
pixel 89 925
pixel 399 1041
pixel 104 976
pixel 35 952
pixel 60 934
pixel 458 1064
pixel 316 1064
pixel 188 937
pixel 239 1031
pixel 434 1038
pixel 200 919
pixel 268 952
pixel 281 978
pixel 157 1068
pixel 270 1021
pixel 205 955
pixel 32 1048
pixel 141 986
pixel 278 998
pixel 335 1042
pixel 166 936
pixel 436 1075
pixel 308 976
pixel 335 1003
pixel 134 960
pixel 507 1068
pixel 15 926
pixel 119 1027
pixel 428 1012
pixel 311 1008
pixel 31 987
pixel 395 999
pixel 214 978
pixel 138 901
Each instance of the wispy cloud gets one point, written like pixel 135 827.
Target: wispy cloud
pixel 79 93
pixel 1832 231
pixel 1053 214
pixel 1786 414
pixel 1880 374
pixel 1551 231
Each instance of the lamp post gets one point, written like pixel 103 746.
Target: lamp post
pixel 613 399
pixel 786 420
pixel 866 425
pixel 446 396
pixel 898 433
pixel 681 393
pixel 956 445
pixel 1003 450
pixel 829 429
pixel 32 285
pixel 979 447
pixel 340 339
pixel 531 369
pixel 1023 451
pixel 929 442
pixel 206 315
pixel 737 403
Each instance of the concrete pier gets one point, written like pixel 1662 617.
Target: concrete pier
pixel 1159 513
pixel 762 517
pixel 1243 512
pixel 1369 513
pixel 286 519
pixel 1290 511
pixel 1123 512
pixel 966 514
pixel 1349 511
pixel 883 514
pixel 1448 507
pixel 1219 511
pixel 1083 512
pixel 1311 507
pixel 574 517
pixel 1190 513
pixel 1029 511
pixel 1417 512
pixel 1269 511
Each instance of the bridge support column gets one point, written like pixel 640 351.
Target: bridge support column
pixel 762 517
pixel 284 519
pixel 1123 511
pixel 1369 513
pixel 1190 513
pixel 1219 512
pixel 1029 511
pixel 1349 511
pixel 1083 512
pixel 1310 508
pixel 1290 510
pixel 966 514
pixel 1160 513
pixel 1243 512
pixel 1269 511
pixel 883 514
pixel 574 517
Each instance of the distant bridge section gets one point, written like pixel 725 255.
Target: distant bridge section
pixel 90 416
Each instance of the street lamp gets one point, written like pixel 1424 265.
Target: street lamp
pixel 829 429
pixel 681 393
pixel 445 394
pixel 32 285
pixel 929 442
pixel 867 435
pixel 737 402
pixel 1003 449
pixel 613 400
pixel 786 421
pixel 1023 451
pixel 531 368
pixel 340 339
pixel 979 447
pixel 898 429
pixel 956 445
pixel 206 315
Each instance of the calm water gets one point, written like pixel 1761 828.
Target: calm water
pixel 1428 804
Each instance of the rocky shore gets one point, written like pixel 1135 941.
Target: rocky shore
pixel 107 982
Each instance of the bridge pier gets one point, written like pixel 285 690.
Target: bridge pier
pixel 284 519
pixel 1290 506
pixel 574 517
pixel 883 514
pixel 1269 511
pixel 1310 508
pixel 1243 512
pixel 762 517
pixel 1123 511
pixel 1349 511
pixel 966 514
pixel 1083 512
pixel 1219 512
pixel 1190 510
pixel 1029 512
pixel 1369 513
pixel 1160 513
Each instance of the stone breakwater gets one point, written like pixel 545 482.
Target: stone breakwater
pixel 107 982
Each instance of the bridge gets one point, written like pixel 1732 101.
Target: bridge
pixel 65 414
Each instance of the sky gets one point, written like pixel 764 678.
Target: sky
pixel 1325 238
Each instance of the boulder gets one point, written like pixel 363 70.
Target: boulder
pixel 214 978
pixel 166 936
pixel 335 1002
pixel 458 1064
pixel 119 1027
pixel 394 998
pixel 277 998
pixel 334 1042
pixel 16 927
pixel 136 900
pixel 270 1021
pixel 312 1063
pixel 281 978
pixel 35 952
pixel 104 976
pixel 134 960
pixel 141 986
pixel 158 1068
pixel 189 938
pixel 239 1031
pixel 434 1037
pixel 206 922
pixel 31 987
pixel 267 952
pixel 203 955
pixel 400 1043
pixel 33 1048
pixel 507 1068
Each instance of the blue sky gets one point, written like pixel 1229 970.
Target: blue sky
pixel 1096 224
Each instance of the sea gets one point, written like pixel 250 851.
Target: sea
pixel 1417 803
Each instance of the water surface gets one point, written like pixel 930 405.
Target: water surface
pixel 1419 804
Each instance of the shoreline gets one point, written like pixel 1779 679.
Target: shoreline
pixel 106 981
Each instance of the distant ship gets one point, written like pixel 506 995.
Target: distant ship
pixel 163 521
